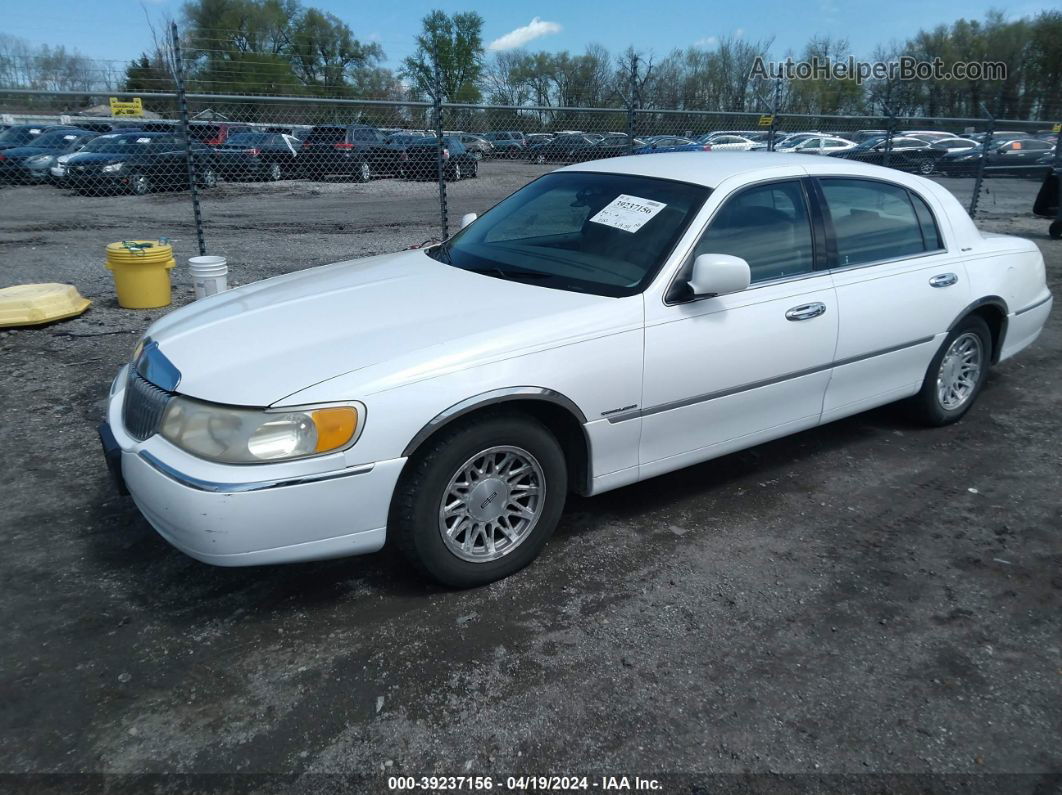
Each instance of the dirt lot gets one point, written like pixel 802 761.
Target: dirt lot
pixel 867 597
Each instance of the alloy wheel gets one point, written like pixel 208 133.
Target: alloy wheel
pixel 960 371
pixel 492 504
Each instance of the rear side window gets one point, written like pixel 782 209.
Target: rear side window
pixel 872 221
pixel 767 226
pixel 930 231
pixel 326 135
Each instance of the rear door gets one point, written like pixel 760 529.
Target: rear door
pixel 900 284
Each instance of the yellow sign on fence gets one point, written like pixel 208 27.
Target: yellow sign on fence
pixel 766 120
pixel 132 108
pixel 1057 128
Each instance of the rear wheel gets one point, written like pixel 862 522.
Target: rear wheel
pixel 956 374
pixel 363 173
pixel 208 179
pixel 480 501
pixel 274 172
pixel 926 167
pixel 473 169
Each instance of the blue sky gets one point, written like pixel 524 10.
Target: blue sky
pixel 117 29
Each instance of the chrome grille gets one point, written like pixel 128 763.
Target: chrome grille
pixel 144 406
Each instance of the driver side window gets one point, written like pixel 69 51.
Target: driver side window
pixel 768 226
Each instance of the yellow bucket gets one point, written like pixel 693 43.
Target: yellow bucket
pixel 141 270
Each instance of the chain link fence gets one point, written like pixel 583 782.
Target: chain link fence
pixel 276 154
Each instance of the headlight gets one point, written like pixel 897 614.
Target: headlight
pixel 234 435
pixel 39 161
pixel 112 168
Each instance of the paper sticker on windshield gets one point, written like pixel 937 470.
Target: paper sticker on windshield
pixel 143 140
pixel 629 213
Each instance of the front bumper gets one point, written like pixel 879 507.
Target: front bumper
pixel 248 515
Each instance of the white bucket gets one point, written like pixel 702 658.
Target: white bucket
pixel 209 275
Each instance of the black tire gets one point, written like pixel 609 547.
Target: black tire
pixel 139 185
pixel 208 179
pixel 926 406
pixel 362 172
pixel 455 172
pixel 1055 230
pixel 473 170
pixel 926 167
pixel 414 521
pixel 274 173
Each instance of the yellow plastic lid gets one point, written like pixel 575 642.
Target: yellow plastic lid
pixel 34 304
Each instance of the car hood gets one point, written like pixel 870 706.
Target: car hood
pixel 403 316
pixel 97 157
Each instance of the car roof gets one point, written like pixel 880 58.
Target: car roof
pixel 712 168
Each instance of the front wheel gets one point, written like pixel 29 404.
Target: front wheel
pixel 139 185
pixel 455 172
pixel 363 173
pixel 926 167
pixel 480 500
pixel 208 179
pixel 274 172
pixel 473 169
pixel 956 374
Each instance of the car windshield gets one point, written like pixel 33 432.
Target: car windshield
pixel 19 135
pixel 56 139
pixel 116 144
pixel 606 234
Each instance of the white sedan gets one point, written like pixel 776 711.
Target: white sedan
pixel 819 145
pixel 605 324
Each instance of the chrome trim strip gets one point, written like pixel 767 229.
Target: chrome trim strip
pixel 489 399
pixel 258 485
pixel 1031 307
pixel 678 404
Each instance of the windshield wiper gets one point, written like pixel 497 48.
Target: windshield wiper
pixel 515 275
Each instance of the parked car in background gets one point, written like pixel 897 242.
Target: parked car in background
pixel 788 141
pixel 669 143
pixel 32 163
pixel 605 324
pixel 949 144
pixel 354 150
pixel 258 155
pixel 1016 157
pixel 818 145
pixel 215 133
pixel 22 134
pixel 478 146
pixel 904 153
pixel 610 145
pixel 506 143
pixel 299 131
pixel 138 163
pixel 537 138
pixel 932 136
pixel 725 142
pixel 421 163
pixel 865 135
pixel 563 148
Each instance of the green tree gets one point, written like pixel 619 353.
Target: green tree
pixel 457 42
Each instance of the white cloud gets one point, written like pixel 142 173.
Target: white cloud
pixel 521 36
pixel 707 41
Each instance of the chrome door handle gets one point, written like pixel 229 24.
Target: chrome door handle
pixel 806 311
pixel 943 280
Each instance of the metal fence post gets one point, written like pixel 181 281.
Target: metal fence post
pixel 986 144
pixel 440 167
pixel 890 132
pixel 182 106
pixel 632 105
pixel 774 114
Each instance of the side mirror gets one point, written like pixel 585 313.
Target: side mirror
pixel 719 274
pixel 468 218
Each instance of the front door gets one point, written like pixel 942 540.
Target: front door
pixel 726 372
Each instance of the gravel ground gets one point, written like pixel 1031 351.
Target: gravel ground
pixel 863 598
